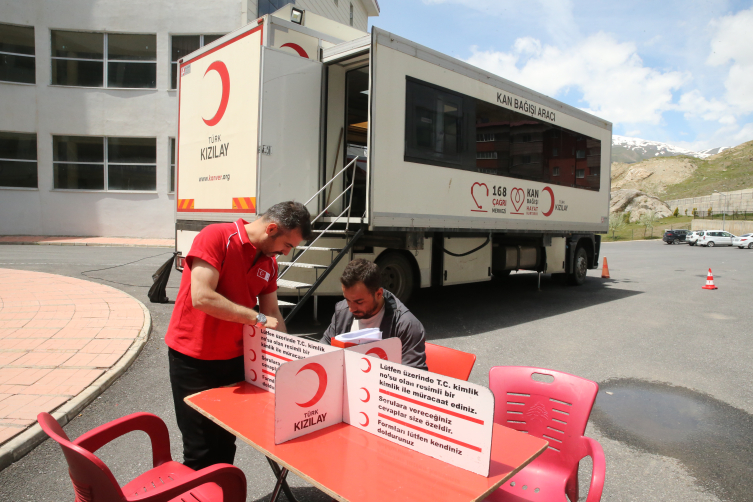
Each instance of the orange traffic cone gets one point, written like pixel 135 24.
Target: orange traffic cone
pixel 710 281
pixel 605 270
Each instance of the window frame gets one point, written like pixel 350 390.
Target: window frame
pixel 174 64
pixel 172 161
pixel 36 162
pixel 17 54
pixel 105 61
pixel 580 174
pixel 105 163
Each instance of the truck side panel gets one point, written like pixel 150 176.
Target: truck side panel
pixel 407 194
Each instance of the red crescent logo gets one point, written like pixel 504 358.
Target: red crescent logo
pixel 551 194
pixel 380 353
pixel 474 197
pixel 368 396
pixel 253 331
pixel 517 197
pixel 221 70
pixel 366 417
pixel 296 48
pixel 367 362
pixel 322 374
pixel 254 353
pixel 254 377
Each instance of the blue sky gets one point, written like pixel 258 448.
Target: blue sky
pixel 663 70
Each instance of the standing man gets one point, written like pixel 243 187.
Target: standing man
pixel 228 267
pixel 368 305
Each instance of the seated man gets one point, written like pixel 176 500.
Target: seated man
pixel 368 305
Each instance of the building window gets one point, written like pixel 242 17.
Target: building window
pixel 270 6
pixel 485 137
pixel 555 171
pixel 351 14
pixel 580 154
pixel 183 45
pixel 117 60
pixel 17 54
pixel 18 160
pixel 97 163
pixel 555 152
pixel 580 173
pixel 173 154
pixel 486 155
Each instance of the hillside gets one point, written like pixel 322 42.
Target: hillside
pixel 686 176
pixel 630 150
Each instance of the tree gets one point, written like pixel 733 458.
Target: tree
pixel 686 211
pixel 708 211
pixel 647 219
pixel 616 222
pixel 677 212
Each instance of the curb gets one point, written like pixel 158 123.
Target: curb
pixel 19 446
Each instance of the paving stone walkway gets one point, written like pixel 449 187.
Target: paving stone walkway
pixel 58 335
pixel 86 241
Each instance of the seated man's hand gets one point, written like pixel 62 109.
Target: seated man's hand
pixel 271 323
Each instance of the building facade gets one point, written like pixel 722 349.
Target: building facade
pixel 88 106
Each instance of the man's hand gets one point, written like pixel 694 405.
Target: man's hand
pixel 204 279
pixel 271 322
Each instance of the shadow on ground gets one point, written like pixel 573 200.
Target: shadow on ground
pixel 470 309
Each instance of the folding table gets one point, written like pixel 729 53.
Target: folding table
pixel 350 464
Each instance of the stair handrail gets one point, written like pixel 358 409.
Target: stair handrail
pixel 330 181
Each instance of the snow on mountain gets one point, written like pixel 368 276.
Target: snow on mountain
pixel 630 150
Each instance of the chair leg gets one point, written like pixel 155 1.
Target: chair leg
pixel 571 487
pixel 280 474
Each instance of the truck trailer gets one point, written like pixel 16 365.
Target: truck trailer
pixel 438 171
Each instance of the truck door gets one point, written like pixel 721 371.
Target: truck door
pixel 289 136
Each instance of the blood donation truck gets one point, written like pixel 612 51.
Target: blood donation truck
pixel 438 171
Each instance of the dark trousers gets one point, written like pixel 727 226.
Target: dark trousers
pixel 204 442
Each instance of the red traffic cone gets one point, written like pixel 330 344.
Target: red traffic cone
pixel 605 270
pixel 710 281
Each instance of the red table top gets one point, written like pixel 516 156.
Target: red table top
pixel 353 465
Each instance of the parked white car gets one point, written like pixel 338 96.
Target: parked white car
pixel 692 237
pixel 711 238
pixel 744 241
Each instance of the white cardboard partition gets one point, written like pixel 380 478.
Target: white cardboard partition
pixel 264 350
pixel 365 386
pixel 442 417
pixel 309 395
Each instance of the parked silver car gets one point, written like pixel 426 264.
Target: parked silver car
pixel 692 237
pixel 711 238
pixel 744 241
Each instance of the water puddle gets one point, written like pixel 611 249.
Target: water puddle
pixel 711 438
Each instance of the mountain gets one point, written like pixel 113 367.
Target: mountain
pixel 631 150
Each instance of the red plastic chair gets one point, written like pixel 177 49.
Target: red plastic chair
pixel 449 362
pixel 558 412
pixel 168 481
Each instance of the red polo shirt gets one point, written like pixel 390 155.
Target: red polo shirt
pixel 226 247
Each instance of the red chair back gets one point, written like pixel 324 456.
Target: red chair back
pixel 92 480
pixel 449 362
pixel 557 410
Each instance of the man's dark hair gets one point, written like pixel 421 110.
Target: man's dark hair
pixel 289 216
pixel 364 271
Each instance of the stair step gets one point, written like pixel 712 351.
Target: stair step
pixel 284 283
pixel 300 265
pixel 283 303
pixel 348 232
pixel 315 248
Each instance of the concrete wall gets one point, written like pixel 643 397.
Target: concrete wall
pixel 733 227
pixel 728 202
pixel 55 110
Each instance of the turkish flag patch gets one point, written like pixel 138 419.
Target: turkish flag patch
pixel 263 274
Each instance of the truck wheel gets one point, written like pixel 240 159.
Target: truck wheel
pixel 397 275
pixel 580 268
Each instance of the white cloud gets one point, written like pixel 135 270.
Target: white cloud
pixel 733 43
pixel 615 83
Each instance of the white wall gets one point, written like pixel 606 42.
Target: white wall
pixel 339 12
pixel 54 110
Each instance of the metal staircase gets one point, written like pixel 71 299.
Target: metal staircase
pixel 338 226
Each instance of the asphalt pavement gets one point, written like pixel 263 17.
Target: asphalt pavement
pixel 674 410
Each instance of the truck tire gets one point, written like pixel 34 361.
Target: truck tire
pixel 397 275
pixel 580 268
